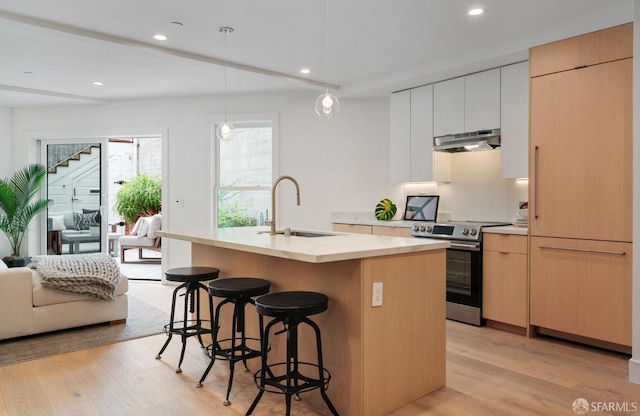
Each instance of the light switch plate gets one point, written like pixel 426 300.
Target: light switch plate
pixel 376 295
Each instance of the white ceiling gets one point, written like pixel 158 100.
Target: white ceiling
pixel 375 46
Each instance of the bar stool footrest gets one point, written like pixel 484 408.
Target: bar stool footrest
pixel 190 329
pixel 240 353
pixel 277 384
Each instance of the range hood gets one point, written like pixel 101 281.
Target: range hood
pixel 467 142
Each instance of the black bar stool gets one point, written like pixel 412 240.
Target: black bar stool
pixel 292 309
pixel 239 291
pixel 191 278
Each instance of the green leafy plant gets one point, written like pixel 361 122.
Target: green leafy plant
pixel 385 210
pixel 19 204
pixel 232 215
pixel 139 197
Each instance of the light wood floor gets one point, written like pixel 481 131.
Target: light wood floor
pixel 489 372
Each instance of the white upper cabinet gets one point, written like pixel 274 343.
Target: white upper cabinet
pixel 422 134
pixel 482 101
pixel 400 143
pixel 515 120
pixel 411 155
pixel 468 103
pixel 448 107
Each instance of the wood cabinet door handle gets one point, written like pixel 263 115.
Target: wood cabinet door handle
pixel 535 182
pixel 584 250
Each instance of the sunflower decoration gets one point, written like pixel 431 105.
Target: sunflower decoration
pixel 385 210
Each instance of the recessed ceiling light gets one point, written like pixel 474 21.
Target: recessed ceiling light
pixel 305 71
pixel 28 73
pixel 177 23
pixel 475 12
pixel 159 37
pixel 98 83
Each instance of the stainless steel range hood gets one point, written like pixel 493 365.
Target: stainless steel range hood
pixel 467 142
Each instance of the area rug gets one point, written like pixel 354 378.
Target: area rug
pixel 143 320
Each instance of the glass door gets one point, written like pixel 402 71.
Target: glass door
pixel 76 180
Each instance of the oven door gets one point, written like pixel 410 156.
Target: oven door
pixel 464 274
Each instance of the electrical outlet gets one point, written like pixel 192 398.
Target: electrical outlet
pixel 376 295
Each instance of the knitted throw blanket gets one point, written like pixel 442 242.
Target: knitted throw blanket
pixel 94 275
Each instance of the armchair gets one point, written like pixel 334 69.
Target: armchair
pixel 143 236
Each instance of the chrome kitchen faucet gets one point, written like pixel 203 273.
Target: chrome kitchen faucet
pixel 273 199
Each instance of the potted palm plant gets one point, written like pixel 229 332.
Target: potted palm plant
pixel 19 204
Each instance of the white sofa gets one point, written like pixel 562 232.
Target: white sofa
pixel 27 307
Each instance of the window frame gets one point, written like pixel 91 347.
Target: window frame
pixel 242 121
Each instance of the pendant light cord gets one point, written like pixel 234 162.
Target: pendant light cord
pixel 327 42
pixel 226 30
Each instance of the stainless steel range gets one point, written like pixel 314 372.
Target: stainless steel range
pixel 464 265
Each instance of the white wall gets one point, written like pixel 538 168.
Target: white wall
pixel 340 163
pixel 477 192
pixel 6 167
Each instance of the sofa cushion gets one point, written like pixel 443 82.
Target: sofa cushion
pixel 155 224
pixel 132 240
pixel 83 221
pixel 144 227
pixel 69 222
pixel 57 223
pixel 136 226
pixel 97 218
pixel 43 295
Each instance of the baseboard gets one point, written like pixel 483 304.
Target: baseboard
pixel 634 371
pixel 585 340
pixel 507 327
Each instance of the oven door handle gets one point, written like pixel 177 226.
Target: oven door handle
pixel 463 246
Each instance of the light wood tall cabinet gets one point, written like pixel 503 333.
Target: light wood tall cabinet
pixel 504 285
pixel 582 287
pixel 581 152
pixel 581 176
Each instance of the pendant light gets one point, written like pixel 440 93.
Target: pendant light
pixel 225 130
pixel 327 104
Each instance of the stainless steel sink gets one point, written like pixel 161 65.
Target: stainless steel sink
pixel 308 234
pixel 300 233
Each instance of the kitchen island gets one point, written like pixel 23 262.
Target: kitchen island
pixel 380 358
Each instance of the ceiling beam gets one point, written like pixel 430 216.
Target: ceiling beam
pixel 53 94
pixel 91 34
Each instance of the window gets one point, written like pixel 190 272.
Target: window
pixel 244 174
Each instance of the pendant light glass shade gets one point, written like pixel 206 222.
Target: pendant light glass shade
pixel 225 131
pixel 327 105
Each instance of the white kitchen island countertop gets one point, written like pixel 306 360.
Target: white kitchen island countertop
pixel 337 247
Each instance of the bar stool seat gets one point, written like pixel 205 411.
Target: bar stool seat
pixel 239 291
pixel 191 278
pixel 291 309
